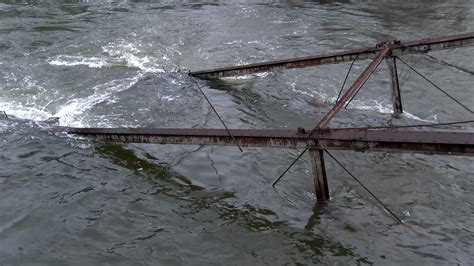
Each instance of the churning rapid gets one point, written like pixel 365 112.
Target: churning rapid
pixel 68 200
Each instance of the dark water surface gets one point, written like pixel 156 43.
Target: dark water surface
pixel 65 200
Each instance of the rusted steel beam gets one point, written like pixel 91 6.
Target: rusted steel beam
pixel 355 87
pixel 432 44
pixel 386 140
pixel 398 48
pixel 299 62
pixel 245 137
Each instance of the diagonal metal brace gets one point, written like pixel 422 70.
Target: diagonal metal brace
pixel 360 81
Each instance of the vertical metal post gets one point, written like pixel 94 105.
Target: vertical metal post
pixel 395 85
pixel 319 174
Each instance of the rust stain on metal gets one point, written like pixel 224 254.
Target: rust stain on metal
pixel 389 140
pixel 301 62
pixel 398 48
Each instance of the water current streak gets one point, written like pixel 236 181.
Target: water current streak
pixel 289 167
pixel 347 74
pixel 366 189
pixel 436 86
pixel 352 98
pixel 217 114
pixel 449 64
pixel 354 88
pixel 345 79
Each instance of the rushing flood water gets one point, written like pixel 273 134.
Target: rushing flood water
pixel 67 200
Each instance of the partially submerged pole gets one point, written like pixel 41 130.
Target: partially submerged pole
pixel 395 86
pixel 319 174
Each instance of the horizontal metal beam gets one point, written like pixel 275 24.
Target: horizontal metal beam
pixel 386 140
pixel 397 48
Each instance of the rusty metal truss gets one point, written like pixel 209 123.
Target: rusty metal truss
pixel 321 137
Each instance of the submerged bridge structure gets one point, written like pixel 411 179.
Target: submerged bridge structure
pixel 321 138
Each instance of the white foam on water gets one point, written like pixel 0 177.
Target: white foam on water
pixel 414 117
pixel 379 106
pixel 234 42
pixel 25 94
pixel 71 114
pixel 313 94
pixel 73 60
pixel 384 108
pixel 370 105
pixel 133 56
pixel 119 53
pixel 169 97
pixel 18 110
pixel 249 76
